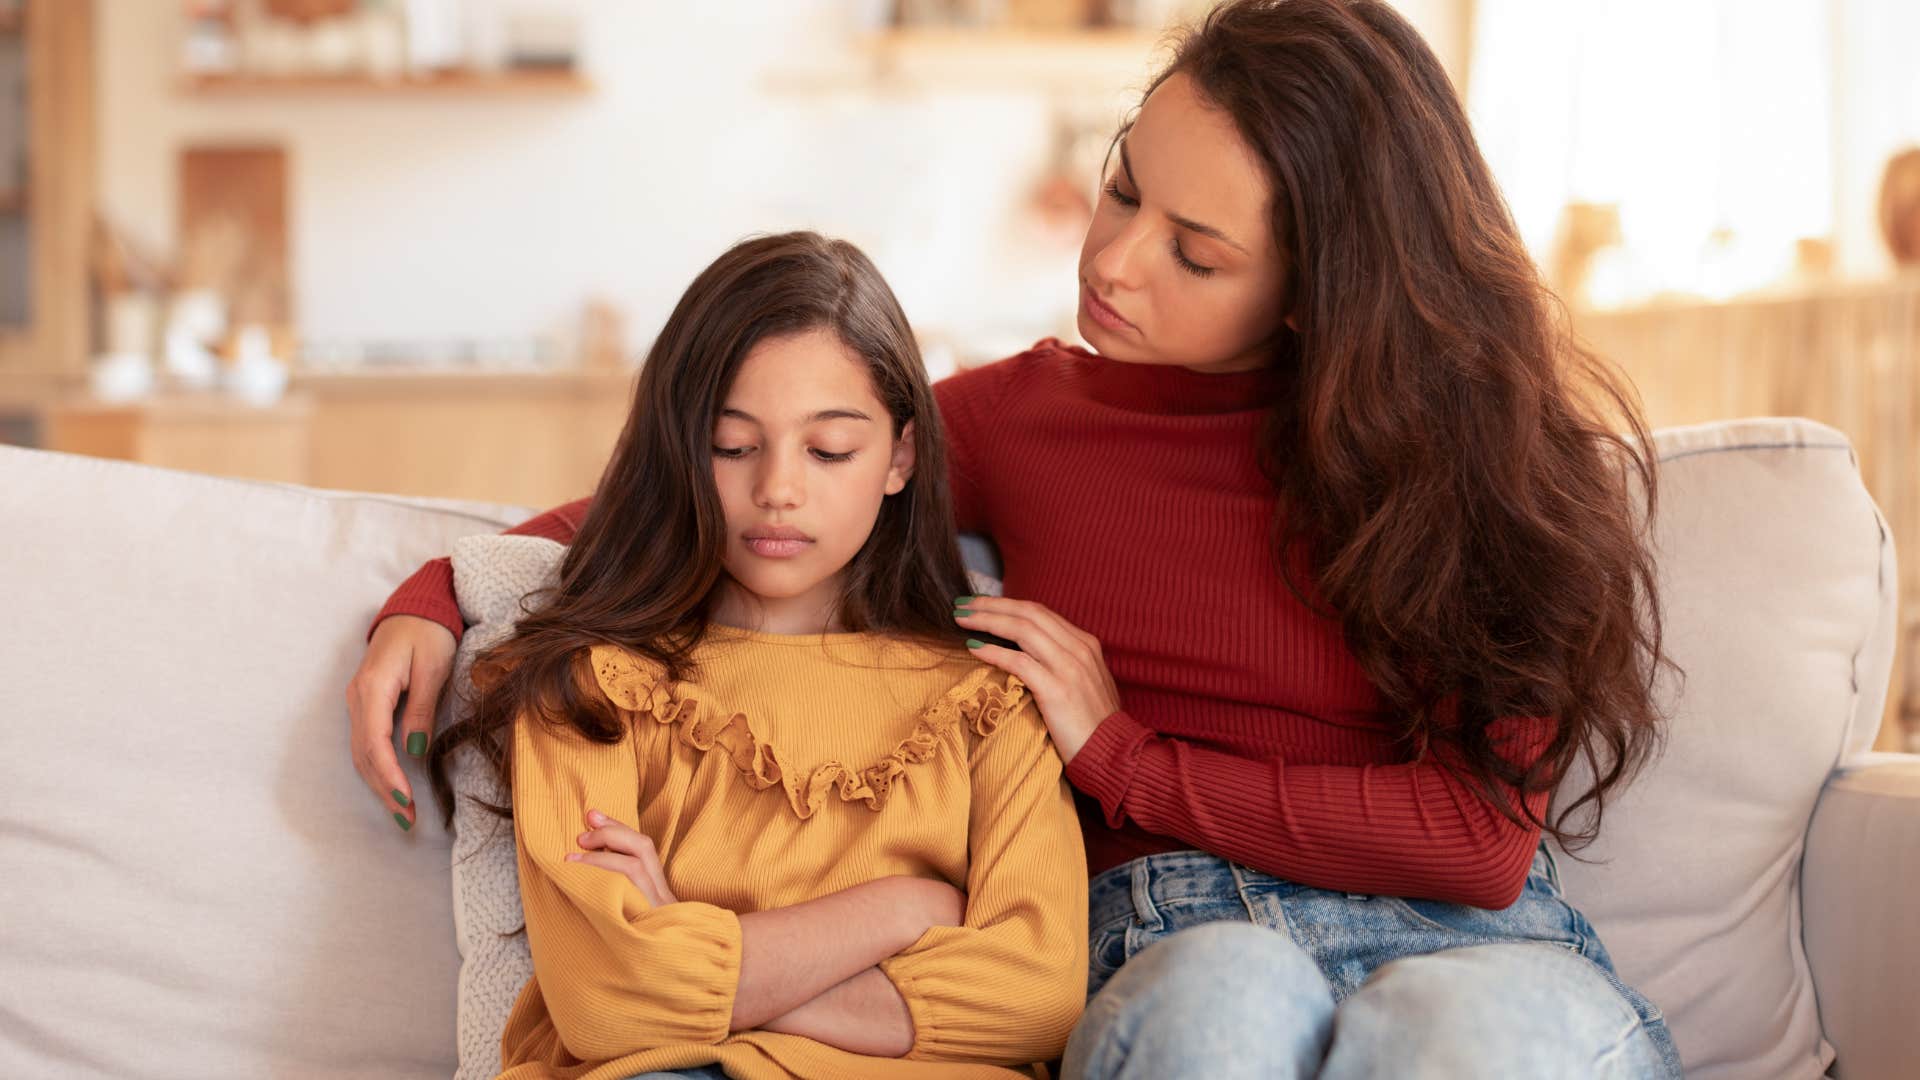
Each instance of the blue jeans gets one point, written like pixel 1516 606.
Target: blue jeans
pixel 704 1072
pixel 1202 967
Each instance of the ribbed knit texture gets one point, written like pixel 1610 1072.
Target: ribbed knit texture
pixel 1129 499
pixel 784 769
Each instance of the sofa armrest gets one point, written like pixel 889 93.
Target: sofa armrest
pixel 1861 903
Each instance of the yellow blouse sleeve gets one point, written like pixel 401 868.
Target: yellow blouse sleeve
pixel 617 974
pixel 1008 985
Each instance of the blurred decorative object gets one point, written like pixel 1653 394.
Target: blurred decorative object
pixel 603 344
pixel 308 11
pixel 1063 199
pixel 547 39
pixel 195 318
pixel 233 231
pixel 121 377
pixel 132 323
pixel 1900 207
pixel 190 364
pixel 433 35
pixel 256 376
pixel 1586 229
pixel 1054 15
pixel 1812 259
pixel 210 44
pixel 119 265
pixel 513 46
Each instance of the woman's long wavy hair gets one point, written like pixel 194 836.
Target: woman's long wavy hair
pixel 643 569
pixel 1446 454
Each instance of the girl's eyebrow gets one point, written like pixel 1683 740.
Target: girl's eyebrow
pixel 823 414
pixel 1126 163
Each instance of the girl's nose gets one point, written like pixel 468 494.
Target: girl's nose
pixel 782 482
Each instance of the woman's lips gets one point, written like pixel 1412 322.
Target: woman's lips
pixel 1100 313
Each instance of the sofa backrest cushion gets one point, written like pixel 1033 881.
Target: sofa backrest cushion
pixel 1778 581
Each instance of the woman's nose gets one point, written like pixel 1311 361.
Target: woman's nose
pixel 1117 264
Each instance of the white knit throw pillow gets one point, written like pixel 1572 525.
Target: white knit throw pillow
pixel 491 575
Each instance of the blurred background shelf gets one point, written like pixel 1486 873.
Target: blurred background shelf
pixel 993 60
pixel 529 84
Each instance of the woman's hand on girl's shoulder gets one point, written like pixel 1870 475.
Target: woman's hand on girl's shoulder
pixel 614 847
pixel 1061 664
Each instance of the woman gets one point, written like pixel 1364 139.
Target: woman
pixel 1324 568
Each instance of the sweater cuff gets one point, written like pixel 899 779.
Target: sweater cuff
pixel 428 594
pixel 1104 766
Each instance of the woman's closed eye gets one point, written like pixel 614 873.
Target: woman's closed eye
pixel 1179 256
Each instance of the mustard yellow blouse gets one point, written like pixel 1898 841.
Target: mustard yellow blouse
pixel 786 768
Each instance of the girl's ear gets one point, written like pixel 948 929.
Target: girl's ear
pixel 900 470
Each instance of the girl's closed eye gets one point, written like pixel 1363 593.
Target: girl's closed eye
pixel 734 453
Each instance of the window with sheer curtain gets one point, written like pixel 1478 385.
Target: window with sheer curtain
pixel 1701 148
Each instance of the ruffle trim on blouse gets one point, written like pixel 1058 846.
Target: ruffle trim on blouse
pixel 637 685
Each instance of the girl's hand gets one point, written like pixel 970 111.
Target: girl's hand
pixel 1060 663
pixel 613 846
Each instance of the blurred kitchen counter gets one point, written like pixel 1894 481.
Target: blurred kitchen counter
pixel 533 438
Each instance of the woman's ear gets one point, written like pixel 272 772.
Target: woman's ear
pixel 900 470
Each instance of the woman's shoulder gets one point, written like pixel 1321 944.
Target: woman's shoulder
pixel 1049 361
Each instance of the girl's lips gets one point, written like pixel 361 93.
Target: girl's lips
pixel 770 548
pixel 1100 313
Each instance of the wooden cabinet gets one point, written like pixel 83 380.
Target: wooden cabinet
pixel 531 439
pixel 197 432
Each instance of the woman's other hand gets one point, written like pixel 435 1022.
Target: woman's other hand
pixel 406 654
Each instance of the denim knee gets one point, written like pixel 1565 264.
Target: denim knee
pixel 1535 1010
pixel 1220 1000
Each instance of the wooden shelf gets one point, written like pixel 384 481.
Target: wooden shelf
pixel 1082 62
pixel 525 83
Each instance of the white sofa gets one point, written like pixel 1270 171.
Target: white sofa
pixel 193 881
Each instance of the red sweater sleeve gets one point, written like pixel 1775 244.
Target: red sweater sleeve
pixel 429 592
pixel 1413 830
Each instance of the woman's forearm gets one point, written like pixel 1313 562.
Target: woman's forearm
pixel 863 1015
pixel 791 955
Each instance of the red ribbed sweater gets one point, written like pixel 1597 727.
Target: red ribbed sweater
pixel 1128 498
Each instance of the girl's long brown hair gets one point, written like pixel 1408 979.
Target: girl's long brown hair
pixel 1445 452
pixel 642 570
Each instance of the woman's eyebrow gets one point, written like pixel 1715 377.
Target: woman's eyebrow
pixel 1126 163
pixel 823 414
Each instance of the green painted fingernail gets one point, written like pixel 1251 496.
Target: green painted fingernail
pixel 962 601
pixel 400 798
pixel 402 819
pixel 962 613
pixel 973 643
pixel 417 743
